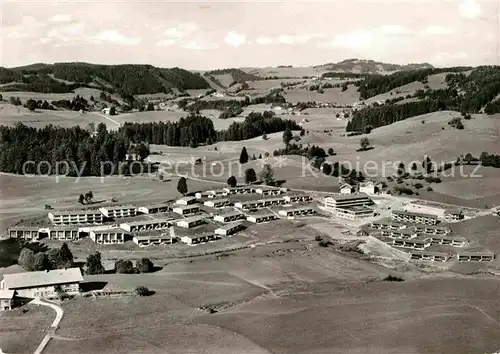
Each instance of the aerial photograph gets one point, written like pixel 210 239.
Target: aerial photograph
pixel 250 177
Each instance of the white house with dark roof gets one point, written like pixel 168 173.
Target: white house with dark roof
pixel 43 283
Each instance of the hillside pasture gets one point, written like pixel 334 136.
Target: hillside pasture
pixel 331 95
pixel 294 72
pixel 84 92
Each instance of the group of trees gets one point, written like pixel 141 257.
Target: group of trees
pixel 125 266
pixel 86 199
pixel 55 258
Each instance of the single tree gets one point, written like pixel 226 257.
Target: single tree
pixel 142 291
pixel 244 155
pixel 41 261
pixel 31 105
pixel 89 196
pixel 327 169
pixel 267 175
pixel 144 265
pixel 182 187
pixel 364 143
pixel 331 152
pixel 112 111
pixel 427 164
pixel 81 199
pixel 94 264
pixel 260 156
pixel 26 259
pixel 414 166
pixel 264 136
pixel 302 132
pixel 66 256
pixel 150 107
pixel 266 154
pixel 368 129
pixel 232 182
pixel 124 266
pixel 401 169
pixel 250 176
pixel 468 158
pixel 287 136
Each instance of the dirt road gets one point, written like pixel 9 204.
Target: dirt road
pixel 53 326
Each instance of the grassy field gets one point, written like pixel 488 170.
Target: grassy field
pixel 33 324
pixel 84 92
pixel 332 95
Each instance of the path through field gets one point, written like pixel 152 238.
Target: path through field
pixel 53 326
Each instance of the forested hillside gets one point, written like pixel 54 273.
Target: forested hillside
pixel 122 79
pixel 474 93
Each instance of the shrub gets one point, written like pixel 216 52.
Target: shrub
pixel 418 185
pixel 318 238
pixel 429 189
pixel 124 266
pixel 144 265
pixel 393 278
pixel 324 243
pixel 142 291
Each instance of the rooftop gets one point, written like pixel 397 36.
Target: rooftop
pixel 108 229
pixel 298 208
pixel 222 200
pixel 429 253
pixel 186 207
pixel 414 214
pixel 149 221
pixel 6 294
pixel 230 225
pixel 118 207
pixel 229 213
pixel 200 235
pixel 343 197
pixel 153 235
pixel 187 198
pixel 75 212
pixel 192 218
pixel 42 278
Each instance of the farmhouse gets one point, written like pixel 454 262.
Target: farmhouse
pixel 190 222
pixel 354 213
pixel 381 225
pixel 76 217
pixel 199 238
pixel 107 235
pixel 154 208
pixel 147 225
pixel 453 215
pixel 404 234
pixel 449 241
pixel 406 216
pixel 475 257
pixel 342 201
pixel 300 211
pixel 153 238
pixel 346 188
pixel 120 211
pixel 433 230
pixel 62 233
pixel 239 190
pixel 269 191
pixel 43 283
pixel 186 209
pixel 217 203
pixel 297 198
pixel 430 256
pixel 419 244
pixel 30 233
pixel 6 300
pixel 369 188
pixel 186 201
pixel 230 216
pixel 262 217
pixel 229 229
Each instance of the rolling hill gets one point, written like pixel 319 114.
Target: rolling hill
pixel 363 66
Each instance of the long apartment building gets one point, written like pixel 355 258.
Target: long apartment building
pixel 354 213
pixel 431 230
pixel 29 233
pixel 383 225
pixel 154 208
pixel 199 238
pixel 448 240
pixel 229 216
pixel 347 200
pixel 61 233
pixel 296 198
pixel 262 217
pixel 239 190
pixel 259 203
pixel 190 222
pixel 76 217
pixel 403 234
pixel 153 238
pixel 417 218
pixel 475 256
pixel 119 211
pixel 430 256
pixel 186 201
pixel 269 191
pixel 147 225
pixel 416 243
pixel 214 193
pixel 217 203
pixel 186 209
pixel 229 229
pixel 300 211
pixel 107 235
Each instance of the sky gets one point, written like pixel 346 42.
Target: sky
pixel 225 34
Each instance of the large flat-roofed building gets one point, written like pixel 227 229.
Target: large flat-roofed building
pixel 147 225
pixel 274 201
pixel 29 233
pixel 190 222
pixel 107 235
pixel 186 209
pixel 229 229
pixel 250 204
pixel 159 237
pixel 430 256
pixel 154 208
pixel 293 212
pixel 186 201
pixel 62 233
pixel 296 198
pixel 404 234
pixel 347 200
pixel 475 256
pixel 262 217
pixel 119 211
pixel 6 300
pixel 239 190
pixel 386 225
pixel 354 213
pixel 211 193
pixel 269 191
pixel 76 217
pixel 43 283
pixel 199 238
pixel 416 243
pixel 217 203
pixel 406 216
pixel 448 240
pixel 432 230
pixel 229 216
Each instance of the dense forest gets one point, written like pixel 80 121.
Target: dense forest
pixel 122 79
pixel 471 93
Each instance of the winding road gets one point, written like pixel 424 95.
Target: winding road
pixel 55 324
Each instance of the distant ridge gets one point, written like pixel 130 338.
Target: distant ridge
pixel 364 66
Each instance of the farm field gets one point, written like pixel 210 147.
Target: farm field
pixel 84 92
pixel 334 95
